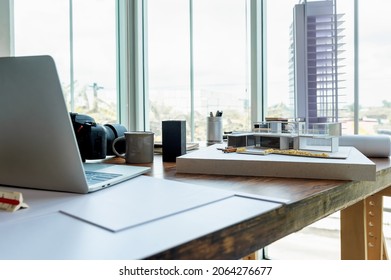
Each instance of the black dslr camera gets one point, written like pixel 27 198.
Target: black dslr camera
pixel 94 140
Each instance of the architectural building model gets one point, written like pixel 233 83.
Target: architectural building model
pixel 316 48
pixel 316 81
pixel 289 135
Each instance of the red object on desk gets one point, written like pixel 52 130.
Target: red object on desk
pixel 9 201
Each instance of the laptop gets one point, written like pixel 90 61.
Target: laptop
pixel 38 148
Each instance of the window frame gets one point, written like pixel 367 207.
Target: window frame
pixel 257 59
pixel 6 28
pixel 132 64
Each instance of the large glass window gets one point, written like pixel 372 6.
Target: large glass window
pixel 278 55
pixel 374 67
pixel 345 11
pixel 44 31
pixel 197 59
pixel 94 61
pixel 197 63
pixel 220 64
pixel 81 37
pixel 168 62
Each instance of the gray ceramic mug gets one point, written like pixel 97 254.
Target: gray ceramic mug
pixel 139 146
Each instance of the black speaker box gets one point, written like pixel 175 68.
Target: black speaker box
pixel 173 139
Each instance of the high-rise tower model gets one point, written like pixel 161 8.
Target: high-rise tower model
pixel 315 61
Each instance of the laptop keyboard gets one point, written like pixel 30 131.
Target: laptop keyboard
pixel 94 177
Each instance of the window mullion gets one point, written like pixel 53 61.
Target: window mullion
pixel 192 121
pixel 131 64
pixel 356 68
pixel 257 85
pixel 6 28
pixel 71 61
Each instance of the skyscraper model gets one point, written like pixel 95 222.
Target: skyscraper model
pixel 315 61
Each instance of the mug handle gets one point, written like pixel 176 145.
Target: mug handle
pixel 122 138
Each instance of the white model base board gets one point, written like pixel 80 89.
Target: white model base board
pixel 210 160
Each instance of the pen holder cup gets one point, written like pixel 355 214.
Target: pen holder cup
pixel 214 127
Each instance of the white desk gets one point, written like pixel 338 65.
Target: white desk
pixel 133 220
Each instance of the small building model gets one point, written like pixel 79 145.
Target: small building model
pixel 286 135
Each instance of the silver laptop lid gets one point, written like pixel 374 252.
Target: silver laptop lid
pixel 38 148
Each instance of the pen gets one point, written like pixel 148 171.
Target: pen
pixel 9 201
